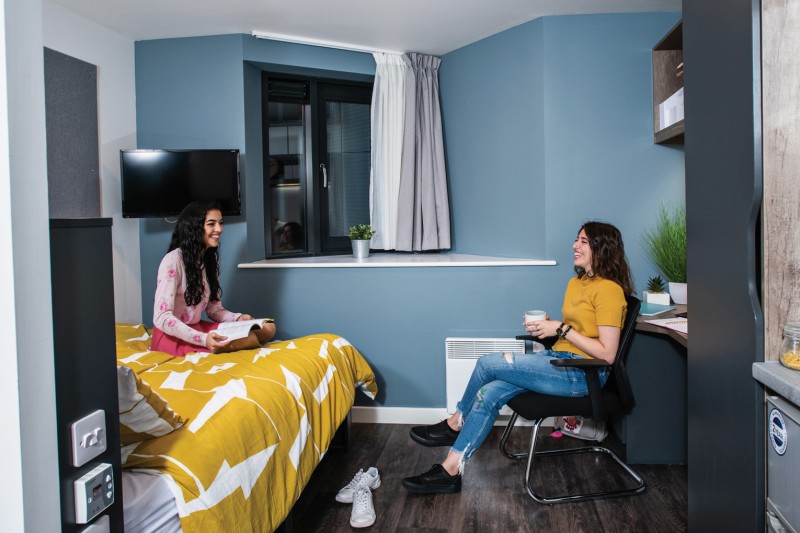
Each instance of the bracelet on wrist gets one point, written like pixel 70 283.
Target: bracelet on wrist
pixel 564 335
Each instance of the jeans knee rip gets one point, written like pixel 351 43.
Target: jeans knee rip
pixel 509 356
pixel 479 397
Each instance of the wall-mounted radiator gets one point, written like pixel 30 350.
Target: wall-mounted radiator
pixel 462 354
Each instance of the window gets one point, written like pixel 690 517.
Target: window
pixel 316 163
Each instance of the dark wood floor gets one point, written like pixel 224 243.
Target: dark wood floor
pixel 492 499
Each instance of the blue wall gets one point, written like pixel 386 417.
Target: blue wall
pixel 546 125
pixel 492 96
pixel 549 124
pixel 600 159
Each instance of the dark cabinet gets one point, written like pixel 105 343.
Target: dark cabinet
pixel 84 348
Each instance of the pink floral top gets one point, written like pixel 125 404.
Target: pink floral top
pixel 170 312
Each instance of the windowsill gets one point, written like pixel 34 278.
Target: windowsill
pixel 384 260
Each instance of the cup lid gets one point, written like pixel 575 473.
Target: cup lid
pixel 792 328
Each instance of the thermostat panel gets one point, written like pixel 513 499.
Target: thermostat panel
pixel 94 491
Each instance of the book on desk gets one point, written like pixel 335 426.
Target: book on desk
pixel 648 309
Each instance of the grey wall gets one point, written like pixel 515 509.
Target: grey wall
pixel 76 36
pixel 546 125
pixel 723 192
pixel 73 177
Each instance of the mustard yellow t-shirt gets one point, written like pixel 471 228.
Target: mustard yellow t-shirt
pixel 589 303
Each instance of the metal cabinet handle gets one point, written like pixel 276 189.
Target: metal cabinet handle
pixel 324 175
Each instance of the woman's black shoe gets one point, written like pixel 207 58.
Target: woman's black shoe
pixel 434 435
pixel 435 480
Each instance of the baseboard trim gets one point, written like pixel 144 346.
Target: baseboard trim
pixel 415 415
pixel 398 415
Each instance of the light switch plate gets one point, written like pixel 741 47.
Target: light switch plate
pixel 88 437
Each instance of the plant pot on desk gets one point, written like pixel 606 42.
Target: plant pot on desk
pixel 360 248
pixel 661 298
pixel 678 291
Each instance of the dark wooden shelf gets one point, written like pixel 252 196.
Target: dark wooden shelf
pixel 667 79
pixel 670 135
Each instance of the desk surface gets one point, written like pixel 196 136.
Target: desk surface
pixel 641 325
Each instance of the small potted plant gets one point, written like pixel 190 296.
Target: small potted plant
pixel 665 245
pixel 655 293
pixel 360 236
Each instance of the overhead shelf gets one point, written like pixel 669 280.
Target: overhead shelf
pixel 667 80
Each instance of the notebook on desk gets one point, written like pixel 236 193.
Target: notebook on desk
pixel 680 325
pixel 648 309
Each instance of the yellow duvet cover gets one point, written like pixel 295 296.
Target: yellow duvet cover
pixel 257 424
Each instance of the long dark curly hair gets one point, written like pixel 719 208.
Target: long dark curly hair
pixel 608 254
pixel 188 236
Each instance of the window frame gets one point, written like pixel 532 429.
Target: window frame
pixel 343 92
pixel 316 227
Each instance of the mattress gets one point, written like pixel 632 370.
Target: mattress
pixel 148 504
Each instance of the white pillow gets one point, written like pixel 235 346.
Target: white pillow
pixel 143 413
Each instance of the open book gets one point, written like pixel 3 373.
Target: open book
pixel 240 328
pixel 680 325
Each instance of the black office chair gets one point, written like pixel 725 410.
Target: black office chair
pixel 615 398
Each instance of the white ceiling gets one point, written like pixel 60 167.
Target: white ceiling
pixel 428 26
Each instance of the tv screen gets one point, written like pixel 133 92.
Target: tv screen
pixel 160 183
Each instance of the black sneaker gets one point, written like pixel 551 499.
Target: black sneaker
pixel 434 435
pixel 435 480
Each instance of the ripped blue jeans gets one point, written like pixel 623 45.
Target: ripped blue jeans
pixel 500 376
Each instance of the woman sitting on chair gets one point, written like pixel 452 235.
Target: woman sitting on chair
pixel 593 314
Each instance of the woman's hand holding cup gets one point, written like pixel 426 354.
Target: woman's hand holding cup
pixel 533 322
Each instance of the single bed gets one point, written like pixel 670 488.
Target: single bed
pixel 227 442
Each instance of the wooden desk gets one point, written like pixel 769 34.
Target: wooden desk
pixel 680 338
pixel 656 429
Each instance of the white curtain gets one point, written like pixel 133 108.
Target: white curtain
pixel 409 201
pixel 388 112
pixel 423 219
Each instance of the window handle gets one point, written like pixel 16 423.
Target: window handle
pixel 324 175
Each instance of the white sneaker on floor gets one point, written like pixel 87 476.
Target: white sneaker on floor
pixel 363 513
pixel 370 479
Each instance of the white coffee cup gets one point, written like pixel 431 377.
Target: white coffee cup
pixel 535 315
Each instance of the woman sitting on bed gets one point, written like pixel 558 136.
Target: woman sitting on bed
pixel 188 284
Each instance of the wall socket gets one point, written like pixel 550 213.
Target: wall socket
pixel 88 437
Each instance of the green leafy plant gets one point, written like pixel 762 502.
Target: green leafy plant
pixel 655 284
pixel 665 244
pixel 361 232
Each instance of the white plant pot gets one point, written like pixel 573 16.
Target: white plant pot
pixel 360 249
pixel 655 297
pixel 678 292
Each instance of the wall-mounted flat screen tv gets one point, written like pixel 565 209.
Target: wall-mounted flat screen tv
pixel 160 183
